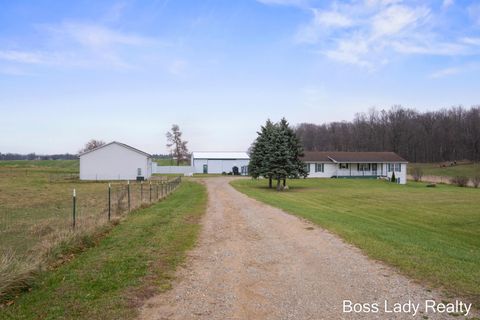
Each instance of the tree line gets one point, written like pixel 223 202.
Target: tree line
pixel 433 136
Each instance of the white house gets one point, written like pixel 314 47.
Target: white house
pixel 356 165
pixel 115 161
pixel 220 162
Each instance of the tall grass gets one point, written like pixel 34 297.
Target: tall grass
pixel 36 218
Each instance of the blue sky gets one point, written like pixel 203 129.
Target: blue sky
pixel 127 70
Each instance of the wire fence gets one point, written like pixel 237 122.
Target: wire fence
pixel 37 217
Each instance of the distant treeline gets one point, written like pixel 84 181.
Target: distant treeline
pixel 434 136
pixel 33 156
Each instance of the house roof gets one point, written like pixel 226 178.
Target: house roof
pixel 120 144
pixel 341 156
pixel 220 155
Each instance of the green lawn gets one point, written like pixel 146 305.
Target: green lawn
pixel 430 234
pixel 434 169
pixel 134 261
pixel 64 166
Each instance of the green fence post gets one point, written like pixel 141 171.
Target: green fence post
pixel 109 201
pixel 74 207
pixel 128 194
pixel 150 191
pixel 141 192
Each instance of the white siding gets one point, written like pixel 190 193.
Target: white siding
pixel 333 169
pixel 114 162
pixel 218 165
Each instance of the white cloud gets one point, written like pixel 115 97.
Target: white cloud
pixel 474 12
pixel 367 33
pixel 471 41
pixel 447 3
pixel 296 3
pixel 22 56
pixel 395 19
pixel 331 19
pixel 445 72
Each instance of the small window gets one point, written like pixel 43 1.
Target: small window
pixel 319 167
pixel 390 167
pixel 139 172
pixel 398 167
pixel 307 167
pixel 343 165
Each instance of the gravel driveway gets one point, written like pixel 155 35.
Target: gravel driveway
pixel 254 261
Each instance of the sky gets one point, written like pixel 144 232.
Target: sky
pixel 127 70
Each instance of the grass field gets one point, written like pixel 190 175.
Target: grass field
pixel 434 169
pixel 36 213
pixel 430 234
pixel 134 261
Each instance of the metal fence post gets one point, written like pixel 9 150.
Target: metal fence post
pixel 109 201
pixel 128 194
pixel 141 192
pixel 150 191
pixel 74 207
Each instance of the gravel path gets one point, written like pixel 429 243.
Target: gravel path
pixel 254 261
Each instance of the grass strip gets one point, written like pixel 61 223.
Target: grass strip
pixel 136 260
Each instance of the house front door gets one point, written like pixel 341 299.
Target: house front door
pixel 374 169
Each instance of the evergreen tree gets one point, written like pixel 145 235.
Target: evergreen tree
pixel 259 159
pixel 276 154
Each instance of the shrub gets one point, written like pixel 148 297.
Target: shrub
pixel 417 174
pixel 476 181
pixel 393 179
pixel 460 181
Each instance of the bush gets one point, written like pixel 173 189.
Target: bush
pixel 476 181
pixel 393 179
pixel 417 174
pixel 460 181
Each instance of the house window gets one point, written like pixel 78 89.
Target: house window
pixel 319 167
pixel 363 166
pixel 307 167
pixel 343 165
pixel 139 172
pixel 389 167
pixel 398 167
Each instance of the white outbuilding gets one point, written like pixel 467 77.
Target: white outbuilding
pixel 115 161
pixel 220 162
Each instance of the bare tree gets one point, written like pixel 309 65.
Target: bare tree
pixel 435 136
pixel 92 144
pixel 417 174
pixel 177 146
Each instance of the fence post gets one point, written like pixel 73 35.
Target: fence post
pixel 128 194
pixel 109 200
pixel 156 191
pixel 74 207
pixel 141 192
pixel 150 191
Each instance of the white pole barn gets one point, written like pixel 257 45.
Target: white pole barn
pixel 115 161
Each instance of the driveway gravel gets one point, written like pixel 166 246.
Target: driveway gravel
pixel 253 261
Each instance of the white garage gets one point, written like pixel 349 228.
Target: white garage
pixel 220 162
pixel 115 161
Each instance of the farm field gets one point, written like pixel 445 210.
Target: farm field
pixel 36 211
pixel 434 169
pixel 135 260
pixel 429 234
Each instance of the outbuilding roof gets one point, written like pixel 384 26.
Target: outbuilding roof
pixel 344 157
pixel 220 155
pixel 120 144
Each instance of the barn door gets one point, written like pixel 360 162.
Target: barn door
pixel 205 168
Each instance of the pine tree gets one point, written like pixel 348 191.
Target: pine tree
pixel 393 177
pixel 276 154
